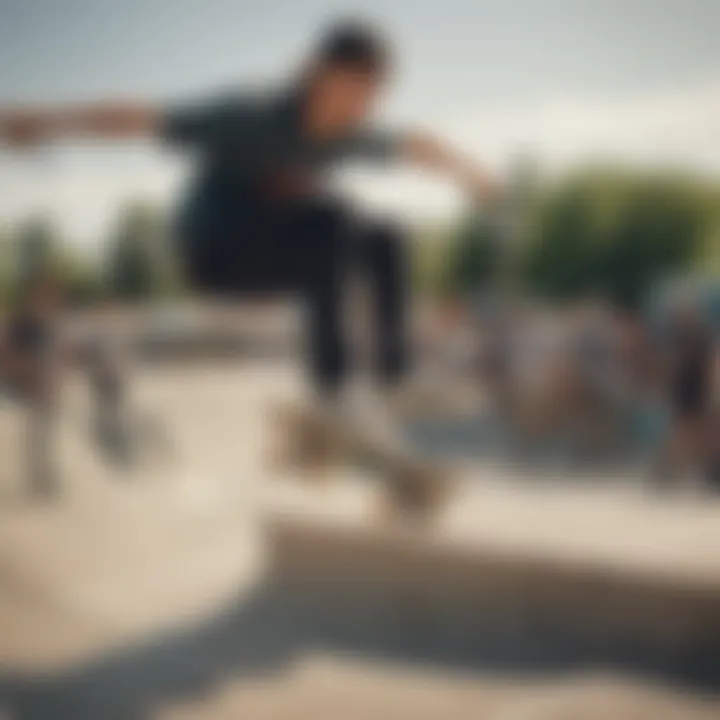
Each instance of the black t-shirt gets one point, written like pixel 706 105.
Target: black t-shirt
pixel 241 140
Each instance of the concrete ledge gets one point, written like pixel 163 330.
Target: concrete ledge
pixel 651 593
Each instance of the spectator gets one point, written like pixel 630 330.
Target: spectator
pixel 31 354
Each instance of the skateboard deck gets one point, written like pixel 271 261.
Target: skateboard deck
pixel 315 447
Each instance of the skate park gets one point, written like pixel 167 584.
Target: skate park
pixel 206 583
pixel 359 366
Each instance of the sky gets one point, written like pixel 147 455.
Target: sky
pixel 566 81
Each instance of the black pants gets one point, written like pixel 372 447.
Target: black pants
pixel 311 248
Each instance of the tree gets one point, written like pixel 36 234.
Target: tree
pixel 660 234
pixel 80 278
pixel 429 253
pixel 39 250
pixel 36 247
pixel 5 267
pixel 137 265
pixel 473 257
pixel 616 234
pixel 709 255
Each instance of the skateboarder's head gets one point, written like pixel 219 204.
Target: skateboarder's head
pixel 345 74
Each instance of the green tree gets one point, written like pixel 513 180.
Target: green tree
pixel 429 259
pixel 137 264
pixel 659 234
pixel 709 255
pixel 5 267
pixel 473 256
pixel 36 244
pixel 80 278
pixel 615 233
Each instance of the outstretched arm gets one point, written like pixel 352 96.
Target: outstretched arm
pixel 428 152
pixel 30 126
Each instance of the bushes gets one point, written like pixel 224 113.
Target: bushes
pixel 135 266
pixel 600 233
pixel 615 235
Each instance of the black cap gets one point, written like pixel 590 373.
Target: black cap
pixel 354 44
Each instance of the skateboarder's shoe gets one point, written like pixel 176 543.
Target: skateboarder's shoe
pixel 359 430
pixel 312 437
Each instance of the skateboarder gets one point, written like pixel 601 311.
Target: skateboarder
pixel 260 216
pixel 691 380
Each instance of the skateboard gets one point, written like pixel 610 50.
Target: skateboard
pixel 414 486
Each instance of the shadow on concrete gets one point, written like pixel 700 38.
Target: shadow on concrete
pixel 262 636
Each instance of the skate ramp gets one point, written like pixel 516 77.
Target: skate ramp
pixel 204 588
pixel 511 576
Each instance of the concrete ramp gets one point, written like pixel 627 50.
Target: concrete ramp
pixel 200 589
pixel 515 575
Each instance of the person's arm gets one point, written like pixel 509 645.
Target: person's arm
pixel 430 153
pixel 29 126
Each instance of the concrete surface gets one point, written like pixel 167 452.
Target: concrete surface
pixel 154 595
